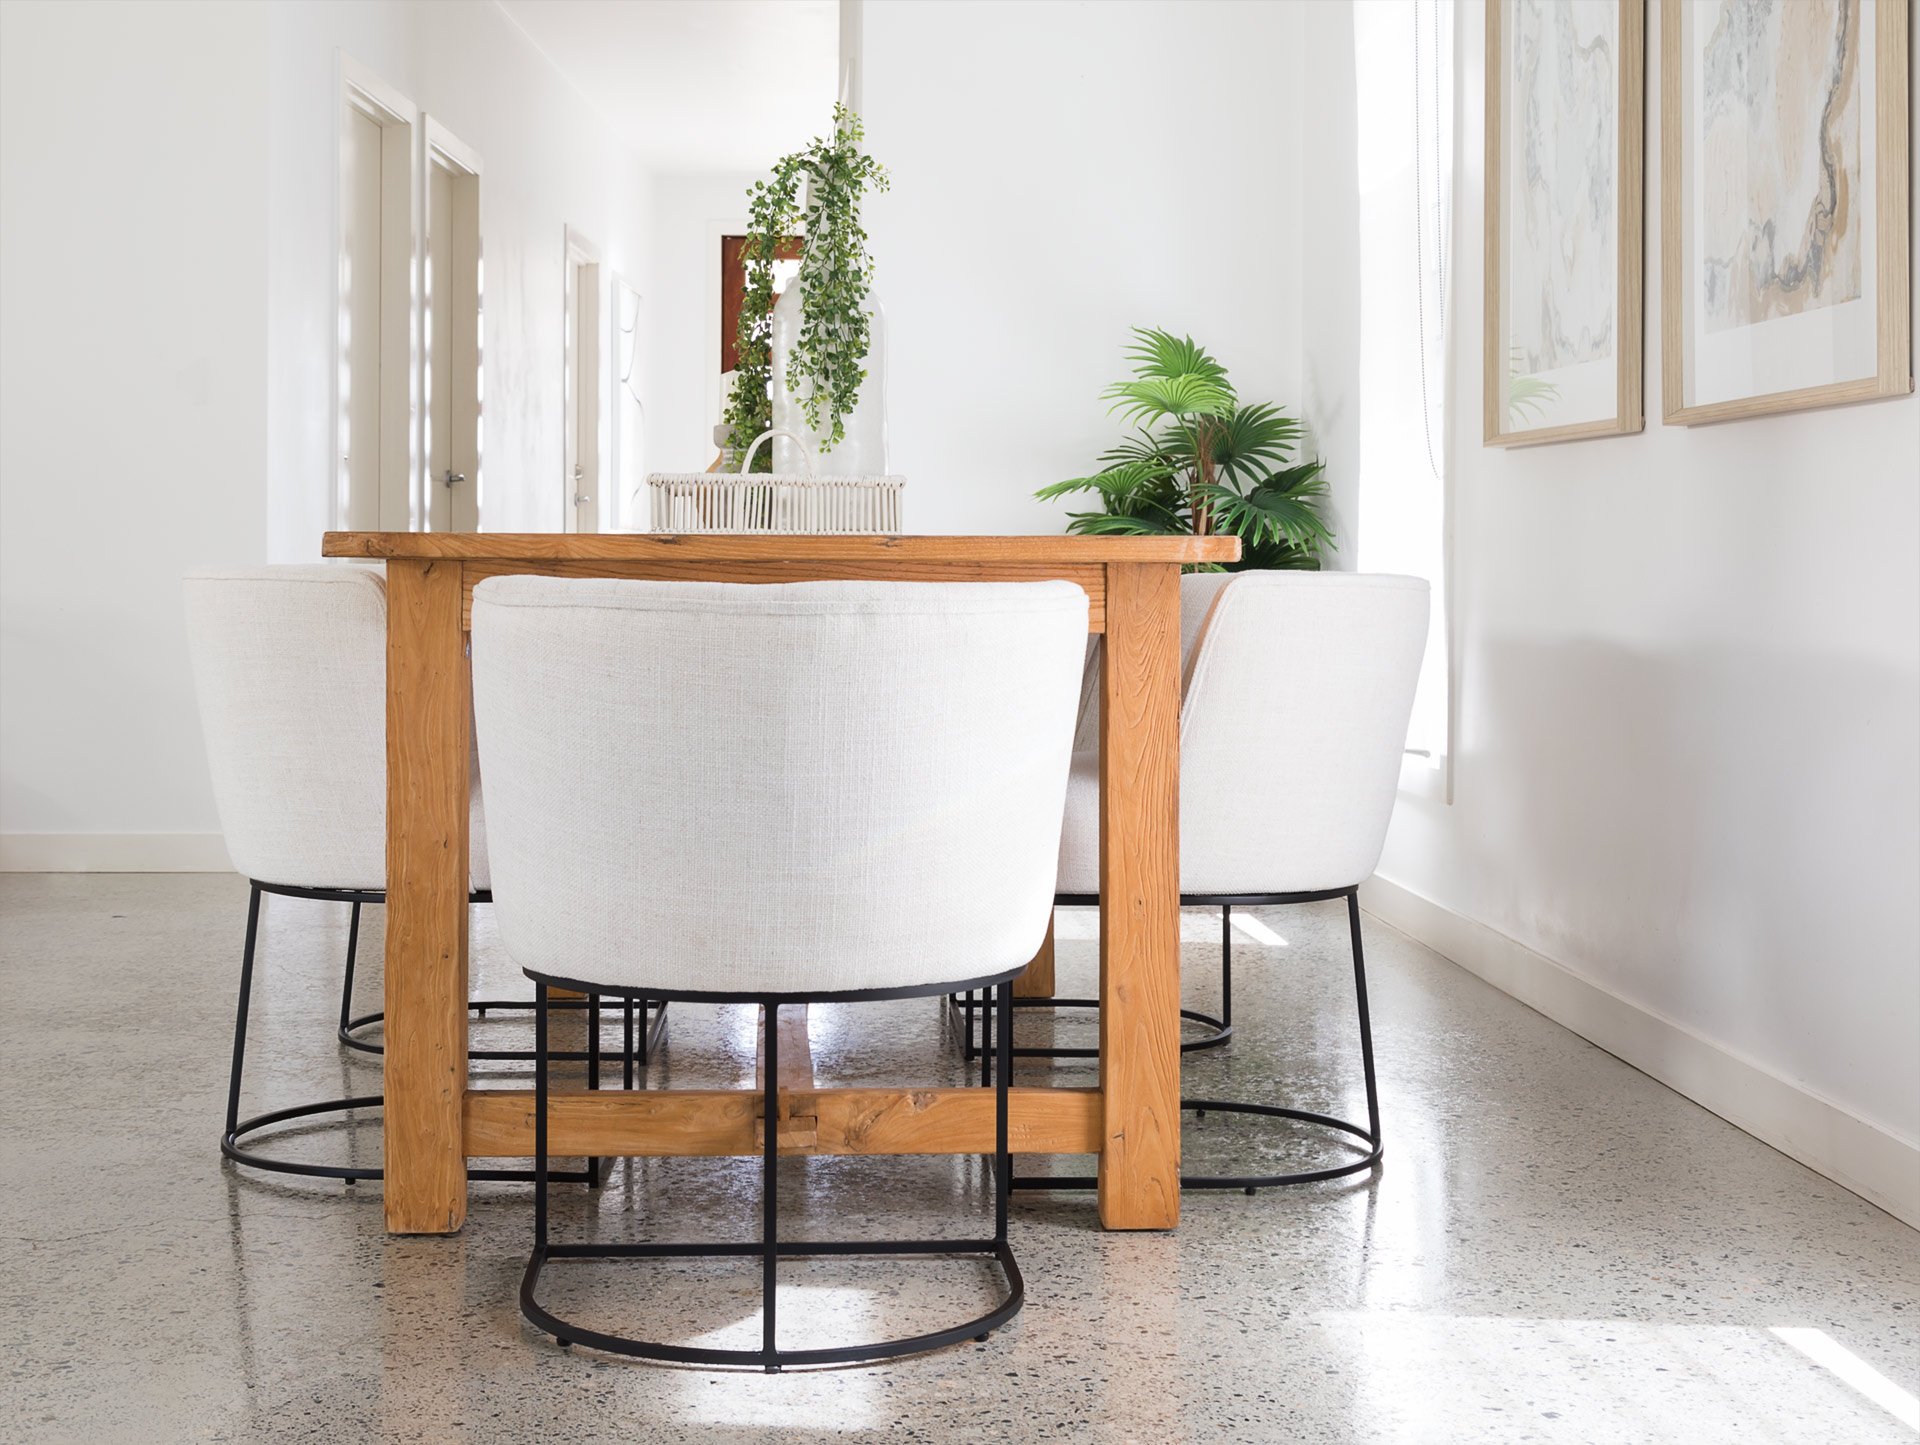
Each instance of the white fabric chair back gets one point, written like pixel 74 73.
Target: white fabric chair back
pixel 794 788
pixel 1298 692
pixel 290 664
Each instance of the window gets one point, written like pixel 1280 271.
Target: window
pixel 1403 99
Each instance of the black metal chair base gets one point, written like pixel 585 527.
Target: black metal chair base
pixel 238 1129
pixel 769 1249
pixel 640 1042
pixel 966 1005
pixel 1219 1029
pixel 1252 1183
pixel 568 1333
pixel 231 1147
pixel 649 1034
pixel 1249 1183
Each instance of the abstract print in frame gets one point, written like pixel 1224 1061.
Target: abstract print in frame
pixel 1783 205
pixel 1566 107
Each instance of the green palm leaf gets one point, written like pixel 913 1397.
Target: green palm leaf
pixel 1160 353
pixel 1169 396
pixel 1144 447
pixel 1250 442
pixel 1281 509
pixel 1114 524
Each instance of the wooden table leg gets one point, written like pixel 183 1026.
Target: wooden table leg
pixel 1140 899
pixel 1037 981
pixel 429 721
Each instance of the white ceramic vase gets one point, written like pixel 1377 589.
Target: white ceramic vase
pixel 862 452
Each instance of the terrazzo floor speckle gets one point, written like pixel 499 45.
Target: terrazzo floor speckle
pixel 1556 1248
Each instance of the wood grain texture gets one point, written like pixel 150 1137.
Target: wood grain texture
pixel 638 546
pixel 429 722
pixel 1140 900
pixel 1037 981
pixel 649 1123
pixel 1089 577
pixel 1629 245
pixel 1893 373
pixel 797 1131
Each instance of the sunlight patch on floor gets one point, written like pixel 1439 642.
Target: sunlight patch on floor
pixel 1827 1352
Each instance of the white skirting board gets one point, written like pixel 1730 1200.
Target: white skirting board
pixel 113 853
pixel 1873 1162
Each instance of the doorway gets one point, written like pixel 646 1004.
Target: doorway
pixel 374 370
pixel 453 328
pixel 581 460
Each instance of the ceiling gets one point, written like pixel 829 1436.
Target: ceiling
pixel 693 85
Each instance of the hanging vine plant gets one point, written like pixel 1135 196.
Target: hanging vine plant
pixel 828 363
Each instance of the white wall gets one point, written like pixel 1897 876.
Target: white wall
pixel 1063 170
pixel 167 174
pixel 132 399
pixel 1687 766
pixel 681 292
pixel 548 161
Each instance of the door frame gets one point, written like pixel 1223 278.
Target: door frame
pixel 441 149
pixel 582 410
pixel 357 88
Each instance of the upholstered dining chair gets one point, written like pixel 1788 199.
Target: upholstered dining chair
pixel 1297 691
pixel 290 667
pixel 878 769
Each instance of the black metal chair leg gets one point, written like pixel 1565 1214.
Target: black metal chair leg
pixel 594 1170
pixel 1226 967
pixel 240 1017
pixel 346 982
pixel 626 1044
pixel 540 1067
pixel 1366 1022
pixel 770 1193
pixel 1002 1150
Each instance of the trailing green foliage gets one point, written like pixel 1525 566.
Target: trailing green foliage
pixel 1200 460
pixel 835 275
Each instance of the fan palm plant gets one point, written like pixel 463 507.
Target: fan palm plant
pixel 1201 461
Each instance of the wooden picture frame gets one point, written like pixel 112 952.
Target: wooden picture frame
pixel 1580 339
pixel 1750 335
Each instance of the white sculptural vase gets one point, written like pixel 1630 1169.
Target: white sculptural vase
pixel 862 451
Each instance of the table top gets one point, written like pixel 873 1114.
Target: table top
pixel 747 547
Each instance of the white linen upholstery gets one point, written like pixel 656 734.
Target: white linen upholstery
pixel 1297 690
pixel 807 787
pixel 290 664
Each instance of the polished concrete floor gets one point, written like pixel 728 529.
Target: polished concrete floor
pixel 1557 1248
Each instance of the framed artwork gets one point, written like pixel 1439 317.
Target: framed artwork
pixel 1565 176
pixel 1783 205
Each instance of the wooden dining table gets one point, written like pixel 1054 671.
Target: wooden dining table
pixel 435 1120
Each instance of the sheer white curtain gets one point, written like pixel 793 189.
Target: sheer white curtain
pixel 1403 110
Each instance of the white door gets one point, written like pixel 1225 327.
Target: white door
pixel 582 386
pixel 451 355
